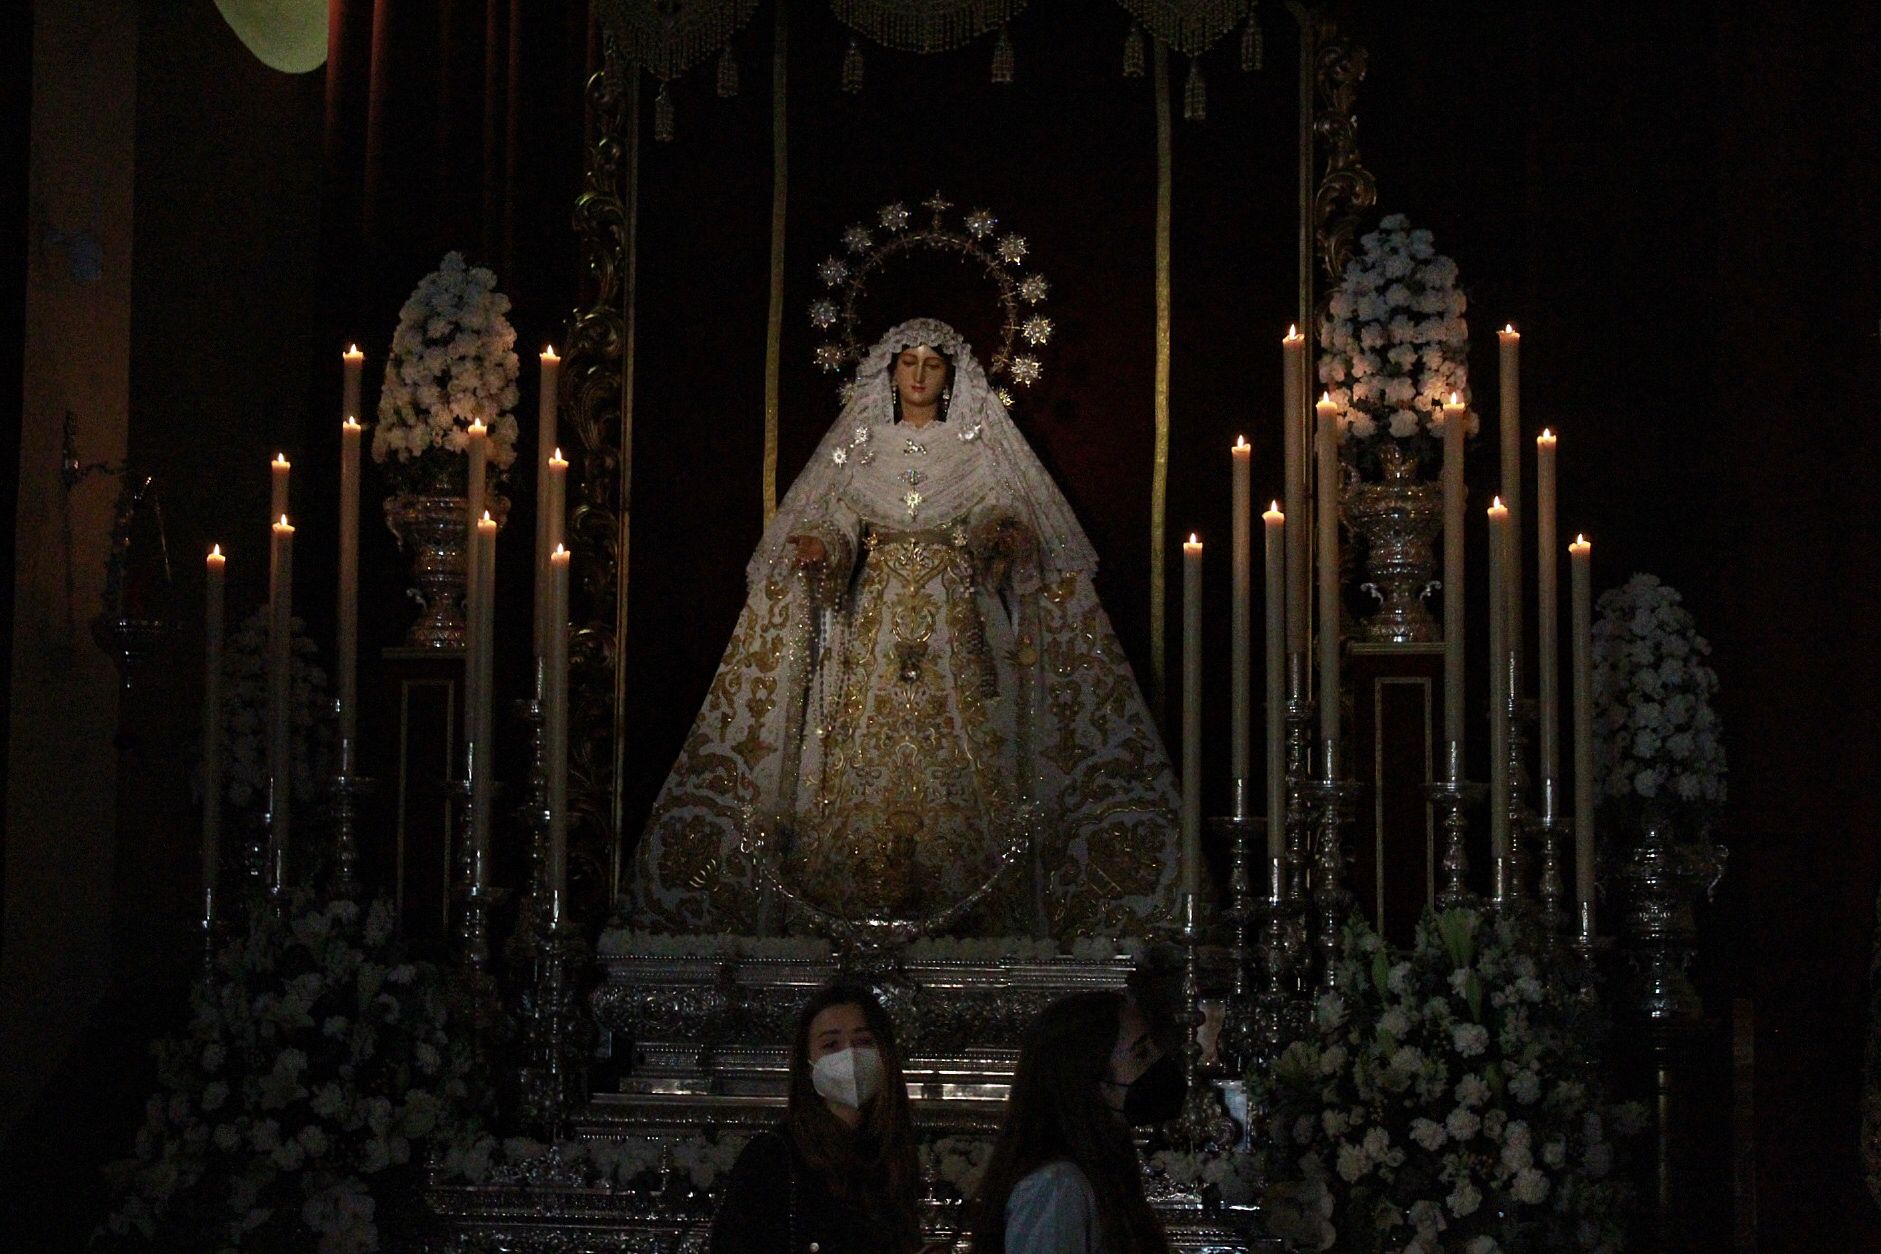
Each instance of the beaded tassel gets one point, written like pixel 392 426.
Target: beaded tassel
pixel 852 68
pixel 1195 93
pixel 1133 52
pixel 727 73
pixel 1002 57
pixel 663 117
pixel 1253 42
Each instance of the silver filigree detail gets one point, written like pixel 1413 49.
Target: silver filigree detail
pixel 894 217
pixel 981 223
pixel 1037 329
pixel 839 455
pixel 1033 288
pixel 832 270
pixel 913 501
pixel 914 448
pixel 857 239
pixel 1005 396
pixel 913 476
pixel 1012 249
pixel 971 434
pixel 823 314
pixel 862 434
pixel 1026 370
pixel 829 356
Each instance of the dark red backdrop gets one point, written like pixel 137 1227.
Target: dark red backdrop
pixel 1674 205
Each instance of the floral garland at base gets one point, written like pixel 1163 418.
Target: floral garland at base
pixel 318 1065
pixel 1449 1101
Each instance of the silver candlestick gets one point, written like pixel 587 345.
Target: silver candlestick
pixel 1205 1124
pixel 1333 800
pixel 1550 888
pixel 1452 795
pixel 344 792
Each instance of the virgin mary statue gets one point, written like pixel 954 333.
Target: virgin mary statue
pixel 922 697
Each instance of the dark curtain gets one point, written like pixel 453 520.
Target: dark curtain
pixel 452 124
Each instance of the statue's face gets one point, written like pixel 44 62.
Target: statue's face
pixel 920 374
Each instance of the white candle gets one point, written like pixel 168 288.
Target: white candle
pixel 555 728
pixel 482 713
pixel 1192 716
pixel 1580 561
pixel 348 633
pixel 1274 532
pixel 1498 699
pixel 1455 675
pixel 214 584
pixel 1300 534
pixel 1548 628
pixel 545 443
pixel 278 471
pixel 1328 507
pixel 554 513
pixel 1242 623
pixel 352 361
pixel 477 449
pixel 1509 342
pixel 280 694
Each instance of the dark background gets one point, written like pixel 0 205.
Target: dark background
pixel 1674 203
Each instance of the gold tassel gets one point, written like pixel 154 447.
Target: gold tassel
pixel 727 73
pixel 1253 42
pixel 852 68
pixel 663 117
pixel 1133 52
pixel 1195 93
pixel 1002 57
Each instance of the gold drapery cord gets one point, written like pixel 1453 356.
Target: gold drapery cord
pixel 630 229
pixel 774 324
pixel 1159 483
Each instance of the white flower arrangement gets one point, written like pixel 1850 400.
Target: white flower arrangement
pixel 318 1064
pixel 1444 1104
pixel 1394 344
pixel 453 362
pixel 245 717
pixel 1656 737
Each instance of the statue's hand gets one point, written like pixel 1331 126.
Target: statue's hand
pixel 810 550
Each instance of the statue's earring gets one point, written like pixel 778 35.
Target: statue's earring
pixel 947 400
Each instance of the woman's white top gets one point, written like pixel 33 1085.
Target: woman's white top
pixel 1053 1210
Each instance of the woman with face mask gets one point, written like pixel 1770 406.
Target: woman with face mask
pixel 839 1175
pixel 1064 1176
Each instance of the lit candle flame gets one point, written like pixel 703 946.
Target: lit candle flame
pixel 1580 542
pixel 549 351
pixel 1495 505
pixel 215 552
pixel 1546 437
pixel 1193 540
pixel 1240 442
pixel 561 551
pixel 1456 402
pixel 1325 398
pixel 477 427
pixel 284 523
pixel 1510 330
pixel 351 423
pixel 556 456
pixel 1293 331
pixel 352 350
pixel 487 519
pixel 280 459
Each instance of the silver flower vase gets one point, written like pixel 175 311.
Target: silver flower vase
pixel 1399 515
pixel 1659 880
pixel 432 528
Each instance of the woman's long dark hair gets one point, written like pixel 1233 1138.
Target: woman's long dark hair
pixel 1057 1112
pixel 872 1166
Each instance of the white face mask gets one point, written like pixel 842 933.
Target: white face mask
pixel 849 1077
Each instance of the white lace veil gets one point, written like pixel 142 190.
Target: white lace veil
pixel 993 461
